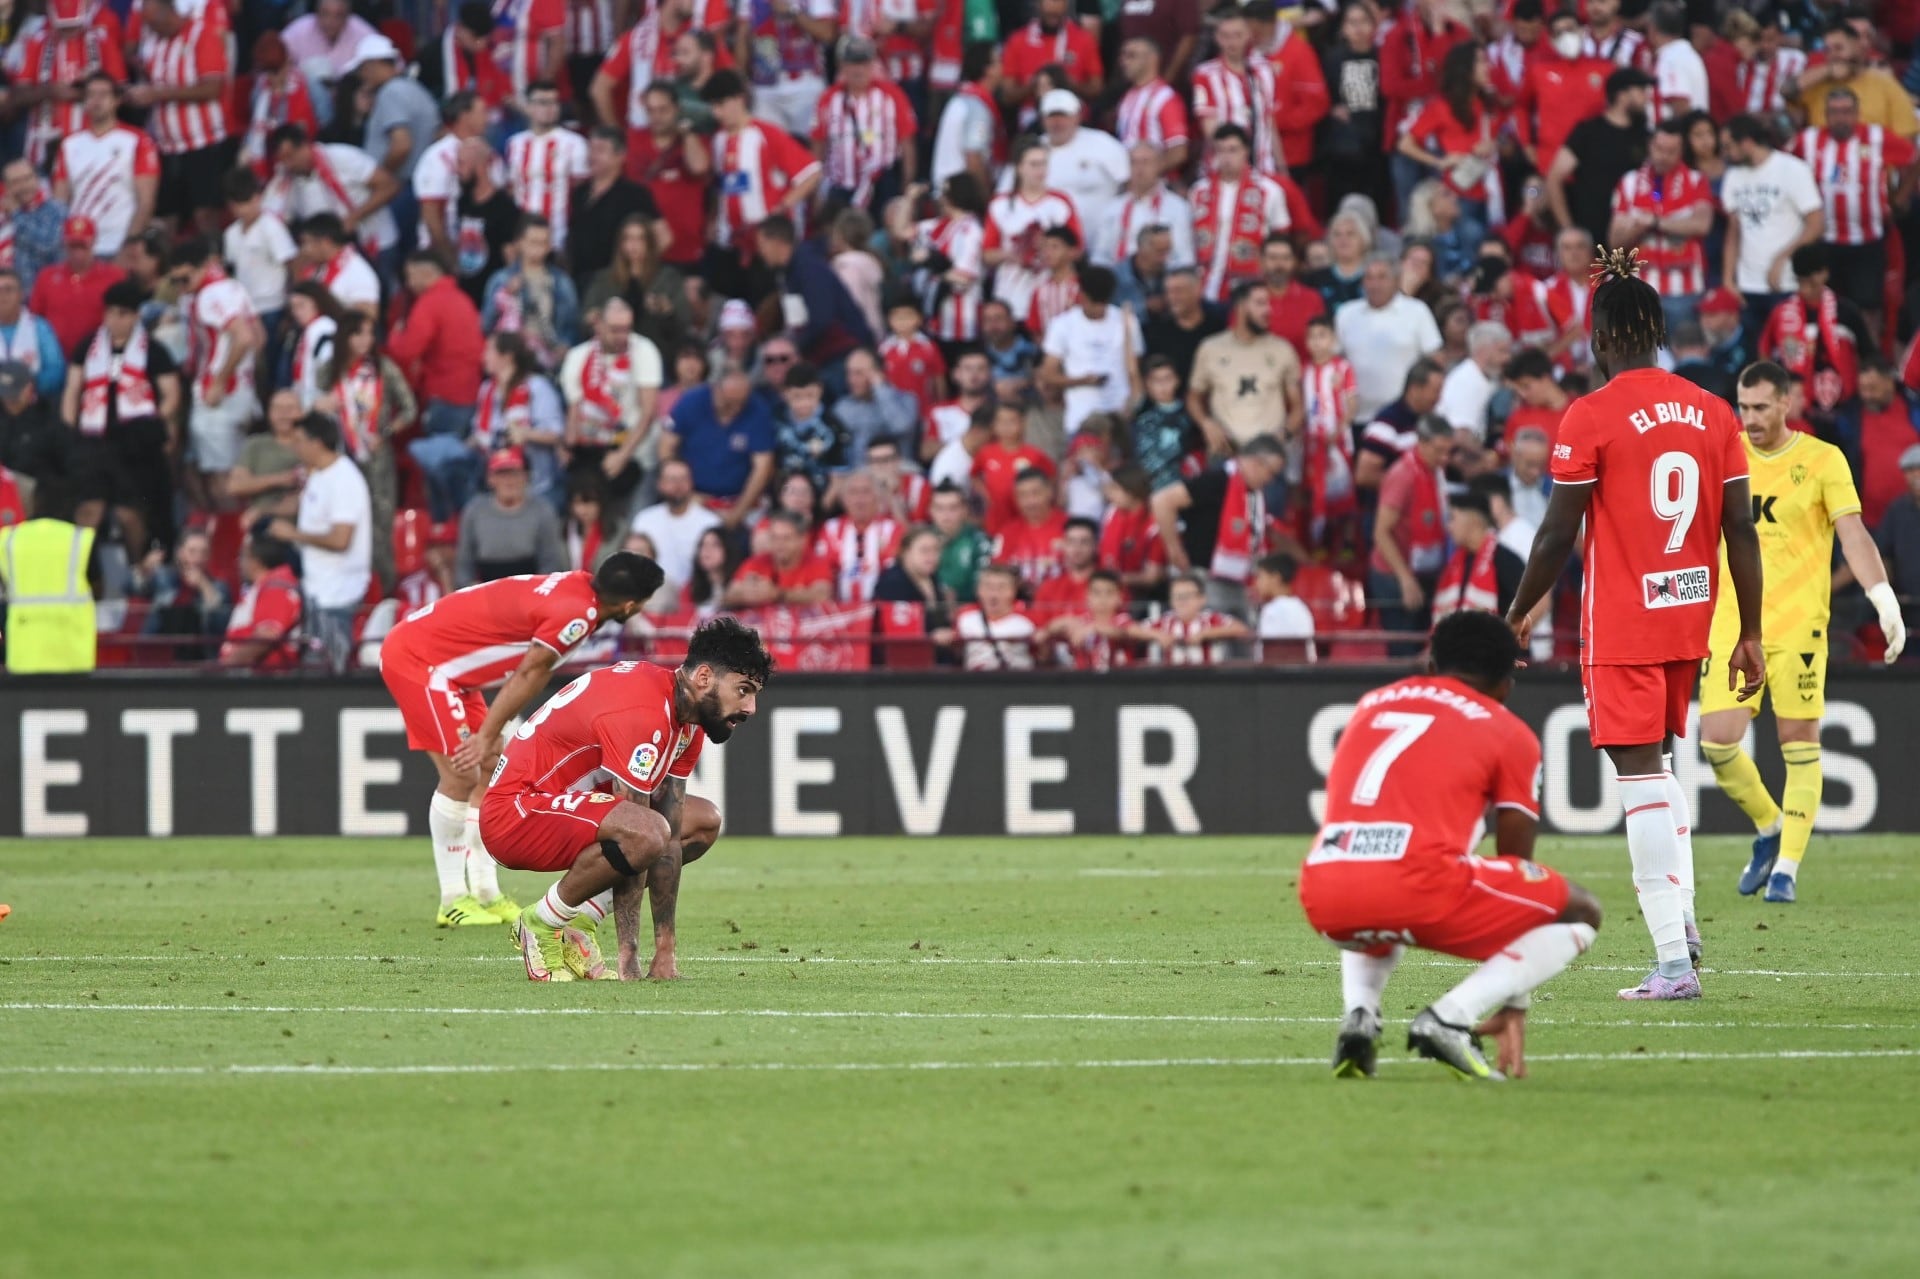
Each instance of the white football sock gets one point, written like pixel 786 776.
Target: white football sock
pixel 447 824
pixel 483 873
pixel 1655 850
pixel 1683 835
pixel 598 908
pixel 1519 967
pixel 553 912
pixel 1363 978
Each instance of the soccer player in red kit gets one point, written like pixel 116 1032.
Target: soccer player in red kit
pixel 1417 769
pixel 1657 469
pixel 595 784
pixel 436 661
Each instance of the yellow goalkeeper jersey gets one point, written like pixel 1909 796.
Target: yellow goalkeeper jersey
pixel 1798 493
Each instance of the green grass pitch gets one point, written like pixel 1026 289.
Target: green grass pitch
pixel 898 1058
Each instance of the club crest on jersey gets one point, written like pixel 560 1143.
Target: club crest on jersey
pixel 1667 413
pixel 1677 588
pixel 646 758
pixel 1532 873
pixel 575 631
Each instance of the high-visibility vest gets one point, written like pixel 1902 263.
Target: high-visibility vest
pixel 49 604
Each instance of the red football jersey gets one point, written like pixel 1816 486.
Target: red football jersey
pixel 1415 771
pixel 1033 550
pixel 476 637
pixel 1657 450
pixel 617 721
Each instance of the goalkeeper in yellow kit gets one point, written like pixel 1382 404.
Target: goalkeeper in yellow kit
pixel 1803 496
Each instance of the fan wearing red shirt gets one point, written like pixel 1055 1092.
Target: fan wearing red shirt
pixel 912 361
pixel 1561 87
pixel 1130 544
pixel 1656 468
pixel 595 784
pixel 72 293
pixel 267 618
pixel 1030 543
pixel 676 165
pixel 1066 591
pixel 1002 462
pixel 761 170
pixel 1419 766
pixel 788 573
pixel 1095 638
pixel 1543 402
pixel 436 661
pixel 1053 38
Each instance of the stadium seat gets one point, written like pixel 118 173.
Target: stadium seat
pixel 410 528
pixel 226 534
pixel 902 629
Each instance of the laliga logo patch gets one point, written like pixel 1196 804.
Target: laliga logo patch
pixel 646 758
pixel 575 631
pixel 1532 873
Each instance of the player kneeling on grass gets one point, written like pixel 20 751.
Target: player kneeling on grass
pixel 1417 768
pixel 595 784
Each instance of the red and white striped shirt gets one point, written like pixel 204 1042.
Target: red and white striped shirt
pixel 1015 225
pixel 1152 113
pixel 1330 391
pixel 1676 266
pixel 861 135
pixel 520 29
pixel 1852 176
pixel 1624 48
pixel 644 54
pixel 1760 82
pixel 541 172
pixel 961 239
pixel 100 169
pixel 1222 95
pixel 1053 297
pixel 1569 304
pixel 1131 214
pixel 858 555
pixel 756 168
pixel 590 26
pixel 1230 225
pixel 194 55
pixel 218 306
pixel 1180 646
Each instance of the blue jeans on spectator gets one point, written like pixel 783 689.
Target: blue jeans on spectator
pixel 332 631
pixel 406 216
pixel 1407 174
pixel 1753 316
pixel 1680 309
pixel 1383 590
pixel 452 468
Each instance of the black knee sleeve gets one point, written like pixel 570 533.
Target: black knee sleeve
pixel 610 849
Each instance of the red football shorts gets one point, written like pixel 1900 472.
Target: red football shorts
pixel 1637 705
pixel 540 830
pixel 438 718
pixel 1373 912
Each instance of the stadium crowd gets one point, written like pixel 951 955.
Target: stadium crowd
pixel 1062 331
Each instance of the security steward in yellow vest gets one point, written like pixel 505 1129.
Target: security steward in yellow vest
pixel 50 616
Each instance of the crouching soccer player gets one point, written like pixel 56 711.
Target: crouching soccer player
pixel 595 784
pixel 1418 766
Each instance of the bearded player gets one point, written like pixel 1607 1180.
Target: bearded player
pixel 1657 470
pixel 1418 768
pixel 436 661
pixel 595 784
pixel 1803 497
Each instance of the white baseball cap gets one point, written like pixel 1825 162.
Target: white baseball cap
pixel 374 48
pixel 1060 102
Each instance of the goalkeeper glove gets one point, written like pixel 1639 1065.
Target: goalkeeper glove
pixel 1891 623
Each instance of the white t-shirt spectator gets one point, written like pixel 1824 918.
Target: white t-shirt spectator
pixel 1288 618
pixel 259 255
pixel 352 280
pixel 675 537
pixel 1679 73
pixel 341 180
pixel 1092 168
pixel 1772 200
pixel 951 465
pixel 1383 344
pixel 1003 645
pixel 1086 346
pixel 336 495
pixel 1464 398
pixel 967 127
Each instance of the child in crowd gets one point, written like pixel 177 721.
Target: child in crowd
pixel 1286 623
pixel 999 463
pixel 913 363
pixel 1164 436
pixel 1189 633
pixel 1097 639
pixel 1326 516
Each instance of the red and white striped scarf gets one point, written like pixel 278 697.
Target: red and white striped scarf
pixel 123 375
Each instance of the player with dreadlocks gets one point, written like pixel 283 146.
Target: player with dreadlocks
pixel 1657 469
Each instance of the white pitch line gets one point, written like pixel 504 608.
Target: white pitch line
pixel 696 1067
pixel 1039 961
pixel 816 1014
